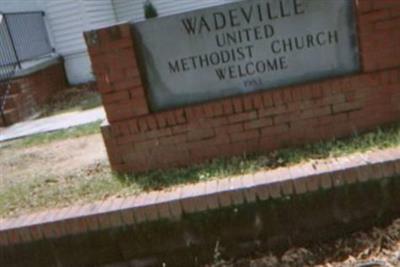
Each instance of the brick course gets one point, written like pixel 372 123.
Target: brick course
pixel 140 140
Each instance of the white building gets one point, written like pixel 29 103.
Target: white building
pixel 68 19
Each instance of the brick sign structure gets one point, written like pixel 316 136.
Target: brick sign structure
pixel 139 137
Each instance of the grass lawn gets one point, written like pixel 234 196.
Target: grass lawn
pixel 84 182
pixel 220 168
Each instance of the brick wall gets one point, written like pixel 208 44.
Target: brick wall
pixel 379 29
pixel 30 92
pixel 46 82
pixel 139 140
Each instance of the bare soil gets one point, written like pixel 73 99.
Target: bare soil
pixel 57 159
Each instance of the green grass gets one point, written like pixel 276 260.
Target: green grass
pixel 379 139
pixel 52 191
pixel 39 139
pixel 98 182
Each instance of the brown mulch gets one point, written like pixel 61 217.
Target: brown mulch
pixel 78 98
pixel 376 248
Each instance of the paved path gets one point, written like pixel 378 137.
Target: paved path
pixel 50 124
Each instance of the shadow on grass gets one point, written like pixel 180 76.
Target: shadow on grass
pixel 225 167
pixel 217 168
pixel 71 99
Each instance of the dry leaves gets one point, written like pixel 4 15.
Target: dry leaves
pixel 377 248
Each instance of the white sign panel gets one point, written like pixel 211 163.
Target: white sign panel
pixel 244 47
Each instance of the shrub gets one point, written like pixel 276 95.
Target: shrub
pixel 149 10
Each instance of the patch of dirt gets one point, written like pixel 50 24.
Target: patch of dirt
pixel 376 248
pixel 55 159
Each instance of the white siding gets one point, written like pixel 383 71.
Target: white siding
pixel 68 20
pixel 133 9
pixel 128 10
pixel 20 5
pixel 100 13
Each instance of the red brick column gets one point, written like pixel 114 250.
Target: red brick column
pixel 118 77
pixel 379 33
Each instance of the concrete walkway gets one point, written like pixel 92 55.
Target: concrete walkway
pixel 50 124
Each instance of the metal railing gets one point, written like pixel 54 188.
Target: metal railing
pixel 23 37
